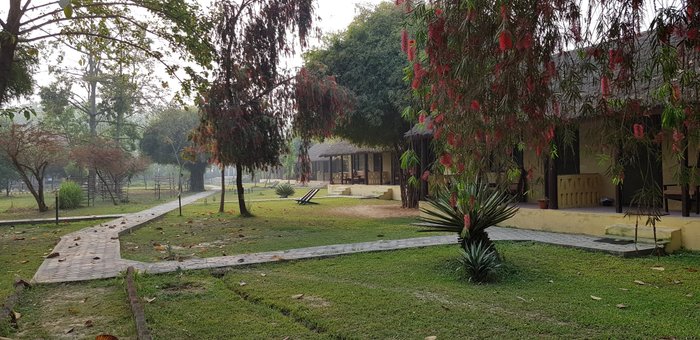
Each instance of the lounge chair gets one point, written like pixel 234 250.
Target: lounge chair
pixel 306 199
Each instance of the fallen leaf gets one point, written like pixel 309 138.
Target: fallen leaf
pixel 62 260
pixel 149 300
pixel 521 299
pixel 689 295
pixel 641 283
pixel 242 283
pixel 77 238
pixel 297 296
pixel 96 258
pixel 24 261
pixel 692 270
pixel 88 323
pixel 551 281
pixel 240 260
pixel 16 315
pixel 52 255
pixel 658 268
pixel 677 282
pixel 70 330
pixel 19 239
pixel 621 306
pixel 432 337
pixel 596 298
pixel 263 274
pixel 624 289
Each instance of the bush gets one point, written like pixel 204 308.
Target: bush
pixel 70 195
pixel 479 261
pixel 284 190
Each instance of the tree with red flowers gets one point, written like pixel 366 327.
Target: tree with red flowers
pixel 496 76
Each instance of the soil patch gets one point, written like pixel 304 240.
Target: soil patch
pixel 375 211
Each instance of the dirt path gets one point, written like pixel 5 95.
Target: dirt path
pixel 375 211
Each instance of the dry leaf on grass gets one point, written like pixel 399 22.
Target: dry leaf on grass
pixel 52 255
pixel 149 300
pixel 432 337
pixel 596 298
pixel 88 324
pixel 16 315
pixel 242 283
pixel 297 296
pixel 658 268
pixel 641 283
pixel 621 306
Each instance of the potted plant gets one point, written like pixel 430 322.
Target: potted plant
pixel 543 203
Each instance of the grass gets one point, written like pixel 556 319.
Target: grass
pixel 279 225
pixel 418 293
pixel 75 311
pixel 22 206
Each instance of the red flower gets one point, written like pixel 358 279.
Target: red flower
pixel 453 200
pixel 438 12
pixel 460 167
pixel 426 175
pixel 475 105
pixel 676 92
pixel 421 118
pixel 446 160
pixel 504 41
pixel 677 135
pixel 638 131
pixel 604 86
pixel 404 41
pixel 439 118
pixel 467 221
pixel 451 140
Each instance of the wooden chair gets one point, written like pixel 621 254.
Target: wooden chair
pixel 306 199
pixel 673 192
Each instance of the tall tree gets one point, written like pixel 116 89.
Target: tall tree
pixel 367 59
pixel 30 150
pixel 245 111
pixel 176 21
pixel 166 141
pixel 504 74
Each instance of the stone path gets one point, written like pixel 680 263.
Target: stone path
pixel 94 253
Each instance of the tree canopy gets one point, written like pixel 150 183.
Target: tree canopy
pixel 367 59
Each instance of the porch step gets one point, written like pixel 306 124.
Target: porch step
pixel 670 237
pixel 386 194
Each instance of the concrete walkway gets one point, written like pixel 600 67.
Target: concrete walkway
pixel 94 253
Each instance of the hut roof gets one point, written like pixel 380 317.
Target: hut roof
pixel 341 147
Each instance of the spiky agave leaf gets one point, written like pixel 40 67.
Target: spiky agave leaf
pixel 479 261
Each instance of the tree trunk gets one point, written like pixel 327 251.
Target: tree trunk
pixel 239 188
pixel 409 195
pixel 223 189
pixel 197 171
pixel 8 46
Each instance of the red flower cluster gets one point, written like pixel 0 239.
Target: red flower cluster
pixel 638 131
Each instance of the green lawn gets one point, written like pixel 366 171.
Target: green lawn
pixel 21 206
pixel 279 225
pixel 412 294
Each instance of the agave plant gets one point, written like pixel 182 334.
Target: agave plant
pixel 284 190
pixel 468 209
pixel 479 261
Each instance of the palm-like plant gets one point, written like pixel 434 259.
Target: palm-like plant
pixel 479 262
pixel 468 209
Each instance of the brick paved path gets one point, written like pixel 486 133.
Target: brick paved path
pixel 93 253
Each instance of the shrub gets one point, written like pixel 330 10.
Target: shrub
pixel 469 209
pixel 284 190
pixel 479 261
pixel 70 195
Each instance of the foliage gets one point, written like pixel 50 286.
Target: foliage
pixel 284 190
pixel 468 209
pixel 367 60
pixel 121 22
pixel 30 150
pixel 70 195
pixel 495 76
pixel 111 163
pixel 479 261
pixel 320 102
pixel 166 140
pixel 246 109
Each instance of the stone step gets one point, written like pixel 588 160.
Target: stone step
pixel 671 237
